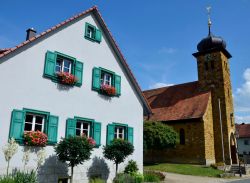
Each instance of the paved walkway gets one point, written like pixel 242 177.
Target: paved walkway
pixel 178 178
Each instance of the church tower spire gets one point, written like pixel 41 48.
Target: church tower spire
pixel 214 76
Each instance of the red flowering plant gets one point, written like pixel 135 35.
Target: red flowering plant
pixel 66 78
pixel 35 138
pixel 90 140
pixel 108 90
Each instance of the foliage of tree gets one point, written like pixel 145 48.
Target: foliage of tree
pixel 117 151
pixel 131 167
pixel 157 135
pixel 74 151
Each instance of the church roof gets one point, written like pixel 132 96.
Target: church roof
pixel 243 129
pixel 178 102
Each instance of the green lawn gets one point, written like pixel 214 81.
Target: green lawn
pixel 185 169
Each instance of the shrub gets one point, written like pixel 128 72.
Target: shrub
pixel 117 151
pixel 128 178
pixel 97 180
pixel 74 150
pixel 151 176
pixel 157 135
pixel 131 167
pixel 20 177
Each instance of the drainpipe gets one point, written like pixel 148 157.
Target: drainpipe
pixel 222 141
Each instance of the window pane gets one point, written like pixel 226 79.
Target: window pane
pixel 28 118
pixel 86 132
pixel 38 127
pixel 78 132
pixel 27 127
pixel 58 68
pixel 120 136
pixel 78 125
pixel 120 130
pixel 39 119
pixel 67 63
pixel 66 69
pixel 85 126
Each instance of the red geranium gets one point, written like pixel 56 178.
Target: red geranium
pixel 108 90
pixel 66 78
pixel 35 138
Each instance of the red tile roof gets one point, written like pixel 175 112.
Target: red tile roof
pixel 96 12
pixel 178 102
pixel 243 129
pixel 4 50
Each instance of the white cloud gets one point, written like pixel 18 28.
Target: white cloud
pixel 242 119
pixel 159 85
pixel 167 50
pixel 244 90
pixel 242 99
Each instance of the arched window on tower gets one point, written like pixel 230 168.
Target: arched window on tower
pixel 182 136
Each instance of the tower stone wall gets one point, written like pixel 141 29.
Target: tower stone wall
pixel 214 75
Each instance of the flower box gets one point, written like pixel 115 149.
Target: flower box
pixel 108 90
pixel 66 78
pixel 35 138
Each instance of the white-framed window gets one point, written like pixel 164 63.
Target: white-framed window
pixel 63 65
pixel 106 79
pixel 34 122
pixel 119 132
pixel 90 32
pixel 82 128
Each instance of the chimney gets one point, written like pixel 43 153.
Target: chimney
pixel 30 33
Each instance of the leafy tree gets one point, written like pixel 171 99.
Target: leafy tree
pixel 157 135
pixel 74 150
pixel 117 151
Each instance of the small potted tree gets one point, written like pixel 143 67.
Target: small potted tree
pixel 74 151
pixel 117 151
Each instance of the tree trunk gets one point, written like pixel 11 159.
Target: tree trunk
pixel 8 164
pixel 72 173
pixel 116 169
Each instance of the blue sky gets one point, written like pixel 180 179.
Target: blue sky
pixel 157 37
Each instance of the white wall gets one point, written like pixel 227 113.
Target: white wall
pixel 23 86
pixel 242 147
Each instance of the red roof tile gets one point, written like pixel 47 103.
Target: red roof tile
pixel 243 129
pixel 95 10
pixel 178 102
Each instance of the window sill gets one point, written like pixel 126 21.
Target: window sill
pixel 55 79
pixel 91 39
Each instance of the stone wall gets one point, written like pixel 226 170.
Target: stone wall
pixel 192 152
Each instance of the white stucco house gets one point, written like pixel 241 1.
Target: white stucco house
pixel 34 97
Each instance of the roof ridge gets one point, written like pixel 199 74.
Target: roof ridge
pixel 49 30
pixel 170 86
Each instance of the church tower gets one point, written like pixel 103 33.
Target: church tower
pixel 214 76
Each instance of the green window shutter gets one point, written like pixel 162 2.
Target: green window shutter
pixel 50 63
pixel 96 79
pixel 97 133
pixel 70 127
pixel 98 35
pixel 130 135
pixel 17 125
pixel 118 84
pixel 52 128
pixel 78 72
pixel 110 133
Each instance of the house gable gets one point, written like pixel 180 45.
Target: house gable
pixel 97 20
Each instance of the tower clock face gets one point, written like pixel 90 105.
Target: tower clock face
pixel 208 57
